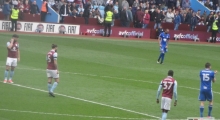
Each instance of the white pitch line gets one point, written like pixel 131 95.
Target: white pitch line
pixel 80 99
pixel 128 79
pixel 71 115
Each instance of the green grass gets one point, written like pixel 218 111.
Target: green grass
pixel 103 78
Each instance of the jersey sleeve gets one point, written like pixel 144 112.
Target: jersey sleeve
pixel 175 90
pixel 159 90
pixel 8 43
pixel 168 36
pixel 55 55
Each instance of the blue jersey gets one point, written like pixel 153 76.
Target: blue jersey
pixel 163 39
pixel 206 77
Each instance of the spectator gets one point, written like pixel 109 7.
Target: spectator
pixel 169 16
pixel 188 15
pixel 60 3
pixel 96 13
pixel 158 19
pixel 86 13
pixel 178 3
pixel 139 18
pixel 153 14
pixel 14 2
pixel 6 10
pixel 34 9
pixel 183 19
pixel 26 7
pixel 81 10
pixel 193 22
pixel 208 23
pixel 124 17
pixel 215 27
pixel 159 3
pixel 78 2
pixel 64 11
pixel 130 17
pixel 201 21
pixel 215 4
pixel 135 4
pixel 125 4
pixel 207 4
pixel 44 10
pixel 20 6
pixel 146 19
pixel 171 3
pixel 115 7
pixel 51 3
pixel 177 20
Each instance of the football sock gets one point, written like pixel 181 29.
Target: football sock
pixel 201 111
pixel 6 74
pixel 54 86
pixel 49 86
pixel 210 110
pixel 164 116
pixel 162 58
pixel 11 75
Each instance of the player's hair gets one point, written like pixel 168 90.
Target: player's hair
pixel 54 46
pixel 15 36
pixel 170 73
pixel 207 65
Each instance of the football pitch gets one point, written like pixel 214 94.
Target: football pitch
pixel 103 78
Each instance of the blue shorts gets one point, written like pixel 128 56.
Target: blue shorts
pixel 205 95
pixel 163 49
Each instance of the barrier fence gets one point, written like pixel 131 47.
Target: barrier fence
pixel 97 30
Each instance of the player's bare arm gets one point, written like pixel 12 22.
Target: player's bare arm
pixel 214 78
pixel 19 55
pixel 11 43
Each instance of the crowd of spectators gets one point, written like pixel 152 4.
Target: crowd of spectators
pixel 138 12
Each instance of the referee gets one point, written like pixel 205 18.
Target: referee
pixel 14 18
pixel 215 28
pixel 108 21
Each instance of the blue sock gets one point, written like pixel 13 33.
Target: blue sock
pixel 6 74
pixel 53 87
pixel 49 86
pixel 162 58
pixel 210 110
pixel 201 111
pixel 11 75
pixel 164 116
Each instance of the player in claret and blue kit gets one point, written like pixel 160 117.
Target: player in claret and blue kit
pixel 163 43
pixel 169 86
pixel 52 69
pixel 207 76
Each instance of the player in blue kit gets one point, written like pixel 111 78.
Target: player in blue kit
pixel 163 43
pixel 207 76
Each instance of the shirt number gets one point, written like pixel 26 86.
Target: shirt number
pixel 48 58
pixel 205 77
pixel 167 85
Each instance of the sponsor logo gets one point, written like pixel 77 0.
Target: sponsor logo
pixel 94 31
pixel 62 28
pixel 40 27
pixel 19 26
pixel 132 33
pixel 186 36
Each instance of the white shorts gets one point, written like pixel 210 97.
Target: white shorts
pixel 166 103
pixel 11 61
pixel 52 73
